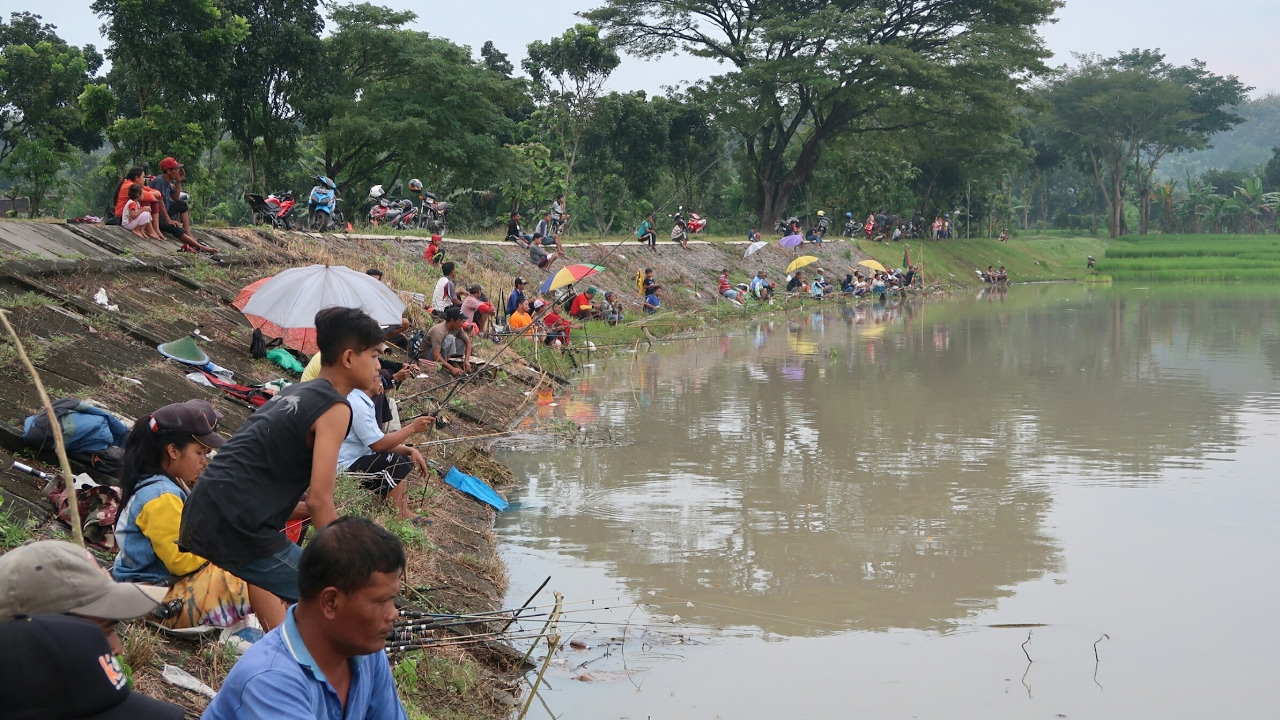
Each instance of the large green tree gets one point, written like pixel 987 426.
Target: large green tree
pixel 399 101
pixel 169 61
pixel 41 122
pixel 268 75
pixel 571 71
pixel 1124 114
pixel 806 73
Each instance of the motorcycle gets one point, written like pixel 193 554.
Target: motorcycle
pixel 431 213
pixel 322 206
pixel 273 210
pixel 851 226
pixel 786 226
pixel 695 223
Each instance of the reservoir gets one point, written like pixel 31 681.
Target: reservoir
pixel 1055 501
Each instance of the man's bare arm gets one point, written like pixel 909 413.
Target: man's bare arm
pixel 330 430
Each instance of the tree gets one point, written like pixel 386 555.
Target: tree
pixel 1271 173
pixel 806 73
pixel 267 76
pixel 571 70
pixel 1107 112
pixel 41 121
pixel 623 152
pixel 395 99
pixel 169 62
pixel 1212 99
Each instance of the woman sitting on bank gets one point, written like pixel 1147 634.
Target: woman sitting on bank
pixel 164 455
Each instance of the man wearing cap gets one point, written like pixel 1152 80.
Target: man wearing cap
pixel 448 344
pixel 55 667
pixel 513 300
pixel 173 204
pixel 581 307
pixel 55 577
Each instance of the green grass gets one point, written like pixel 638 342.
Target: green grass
pixel 1205 258
pixel 1026 259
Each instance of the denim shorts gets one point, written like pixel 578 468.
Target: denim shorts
pixel 277 574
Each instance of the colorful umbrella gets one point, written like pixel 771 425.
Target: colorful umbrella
pixel 242 298
pixel 569 275
pixel 753 248
pixel 873 265
pixel 791 241
pixel 800 262
pixel 285 306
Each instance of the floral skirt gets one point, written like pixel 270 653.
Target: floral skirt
pixel 210 596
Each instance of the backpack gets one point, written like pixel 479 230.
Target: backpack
pixel 258 346
pixel 415 344
pixel 567 303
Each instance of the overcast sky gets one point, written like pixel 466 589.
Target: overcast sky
pixel 1233 36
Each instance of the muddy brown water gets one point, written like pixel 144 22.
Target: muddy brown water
pixel 885 512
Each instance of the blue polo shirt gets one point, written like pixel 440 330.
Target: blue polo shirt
pixel 278 680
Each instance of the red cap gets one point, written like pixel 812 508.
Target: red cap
pixel 169 164
pixel 435 238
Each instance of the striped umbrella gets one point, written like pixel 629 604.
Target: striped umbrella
pixel 569 275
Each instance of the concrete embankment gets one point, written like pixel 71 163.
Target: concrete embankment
pixel 49 275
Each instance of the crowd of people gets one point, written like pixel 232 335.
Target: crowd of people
pixel 154 206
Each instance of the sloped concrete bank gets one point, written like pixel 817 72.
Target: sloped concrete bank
pixel 49 275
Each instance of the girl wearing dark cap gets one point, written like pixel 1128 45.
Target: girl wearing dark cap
pixel 164 455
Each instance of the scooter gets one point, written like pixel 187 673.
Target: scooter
pixel 694 224
pixel 322 206
pixel 386 210
pixel 272 210
pixel 851 226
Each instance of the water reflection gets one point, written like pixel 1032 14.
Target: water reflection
pixel 891 465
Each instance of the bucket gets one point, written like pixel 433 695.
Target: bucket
pixel 545 396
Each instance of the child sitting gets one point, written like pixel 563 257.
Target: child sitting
pixel 164 457
pixel 133 216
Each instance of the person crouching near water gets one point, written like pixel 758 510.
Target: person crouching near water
pixel 164 456
pixel 383 458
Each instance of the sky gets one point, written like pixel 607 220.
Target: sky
pixel 1235 37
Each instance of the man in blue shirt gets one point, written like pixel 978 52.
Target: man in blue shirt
pixel 653 300
pixel 327 659
pixel 516 296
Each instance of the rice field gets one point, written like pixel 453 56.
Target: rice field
pixel 1206 258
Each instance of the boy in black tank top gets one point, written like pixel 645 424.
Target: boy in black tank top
pixel 286 449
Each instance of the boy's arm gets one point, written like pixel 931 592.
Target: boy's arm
pixel 330 430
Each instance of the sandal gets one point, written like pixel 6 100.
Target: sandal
pixel 422 521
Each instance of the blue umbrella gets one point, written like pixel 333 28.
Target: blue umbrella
pixel 475 487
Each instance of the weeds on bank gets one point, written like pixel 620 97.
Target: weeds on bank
pixel 447 685
pixel 351 498
pixel 14 531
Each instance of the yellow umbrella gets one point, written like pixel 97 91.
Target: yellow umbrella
pixel 873 265
pixel 801 262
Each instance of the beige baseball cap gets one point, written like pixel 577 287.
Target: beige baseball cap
pixel 55 577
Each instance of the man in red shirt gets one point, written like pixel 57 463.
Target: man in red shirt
pixel 557 327
pixel 582 308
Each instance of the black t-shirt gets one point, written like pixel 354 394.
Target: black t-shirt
pixel 513 229
pixel 165 188
pixel 245 496
pixel 794 283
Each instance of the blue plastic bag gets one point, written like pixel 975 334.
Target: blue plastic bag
pixel 476 488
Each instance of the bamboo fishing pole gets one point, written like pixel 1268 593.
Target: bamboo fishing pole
pixel 59 447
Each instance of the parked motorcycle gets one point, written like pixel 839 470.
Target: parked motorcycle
pixel 851 226
pixel 694 223
pixel 322 206
pixel 273 210
pixel 431 213
pixel 787 226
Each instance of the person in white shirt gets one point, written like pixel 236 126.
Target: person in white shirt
pixel 445 293
pixel 384 457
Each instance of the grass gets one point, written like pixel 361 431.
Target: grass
pixel 14 530
pixel 1204 258
pixel 1026 259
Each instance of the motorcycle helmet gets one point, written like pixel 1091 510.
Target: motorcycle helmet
pixel 849 215
pixel 415 185
pixel 376 192
pixel 327 182
pixel 406 204
pixel 184 196
pixel 821 214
